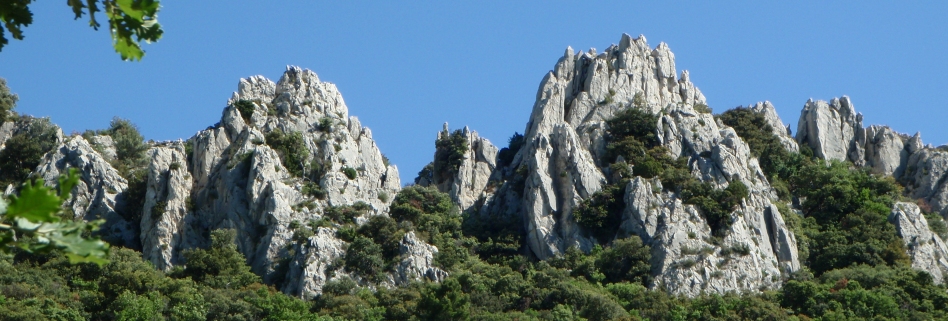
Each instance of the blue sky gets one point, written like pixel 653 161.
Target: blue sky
pixel 405 68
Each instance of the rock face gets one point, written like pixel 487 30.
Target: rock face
pixel 562 162
pixel 467 185
pixel 925 174
pixel 167 200
pixel 417 262
pixel 927 249
pixel 227 176
pixel 97 196
pixel 779 129
pixel 834 131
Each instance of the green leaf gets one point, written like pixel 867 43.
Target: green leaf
pixel 36 203
pixel 128 49
pixel 129 9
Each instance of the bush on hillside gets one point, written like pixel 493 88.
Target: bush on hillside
pixel 25 150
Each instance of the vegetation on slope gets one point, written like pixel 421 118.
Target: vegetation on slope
pixel 855 266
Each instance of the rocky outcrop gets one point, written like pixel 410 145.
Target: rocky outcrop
pixel 834 131
pixel 926 174
pixel 926 249
pixel 417 262
pixel 468 183
pixel 237 178
pixel 105 145
pixel 777 126
pixel 562 163
pixel 315 264
pixel 235 175
pixel 97 196
pixel 167 202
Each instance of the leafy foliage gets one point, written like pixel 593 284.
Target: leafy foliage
pixel 130 145
pixel 25 149
pixel 130 22
pixel 246 108
pixel 436 219
pixel 7 101
pixel 220 266
pixel 449 154
pixel 292 150
pixel 506 155
pixel 601 212
pixel 31 222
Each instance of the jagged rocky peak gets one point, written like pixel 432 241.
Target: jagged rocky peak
pixel 466 183
pixel 282 154
pixel 834 131
pixel 562 162
pixel 779 129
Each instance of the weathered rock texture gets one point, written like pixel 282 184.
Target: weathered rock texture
pixel 467 184
pixel 780 130
pixel 927 249
pixel 228 177
pixel 834 131
pixel 97 196
pixel 167 200
pixel 562 162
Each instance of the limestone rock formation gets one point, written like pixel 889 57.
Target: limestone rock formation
pixel 834 131
pixel 780 130
pixel 97 196
pixel 417 262
pixel 926 170
pixel 926 249
pixel 313 264
pixel 167 200
pixel 562 162
pixel 467 184
pixel 293 154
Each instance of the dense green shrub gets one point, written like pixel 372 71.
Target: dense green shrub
pixel 346 214
pixel 601 213
pixel 25 149
pixel 702 108
pixel 364 257
pixel 506 155
pixel 130 146
pixel 436 220
pixel 754 130
pixel 246 108
pixel 385 232
pixel 7 102
pixel 292 150
pixel 350 172
pixel 937 224
pixel 221 265
pixel 715 205
pixel 449 153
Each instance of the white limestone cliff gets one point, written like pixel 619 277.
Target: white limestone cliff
pixel 926 249
pixel 562 162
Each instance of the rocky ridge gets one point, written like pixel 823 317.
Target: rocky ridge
pixel 228 177
pixel 562 163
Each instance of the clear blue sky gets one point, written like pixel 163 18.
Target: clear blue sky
pixel 404 69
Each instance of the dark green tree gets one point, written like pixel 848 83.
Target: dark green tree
pixel 221 265
pixel 7 101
